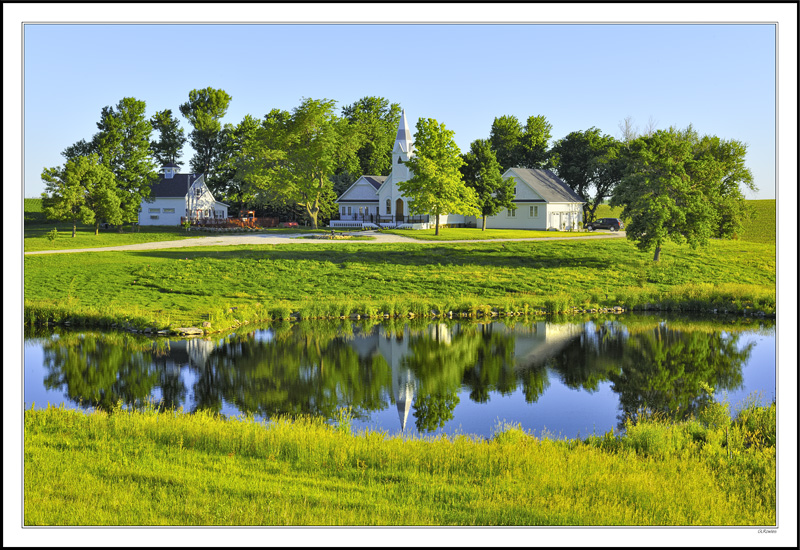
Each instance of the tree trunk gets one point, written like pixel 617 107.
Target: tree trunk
pixel 96 228
pixel 657 255
pixel 74 228
pixel 484 223
pixel 437 224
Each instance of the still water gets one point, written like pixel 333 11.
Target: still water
pixel 565 379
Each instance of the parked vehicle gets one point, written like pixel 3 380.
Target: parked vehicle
pixel 612 224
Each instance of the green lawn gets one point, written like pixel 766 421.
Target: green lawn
pixel 190 285
pixel 476 234
pixel 164 468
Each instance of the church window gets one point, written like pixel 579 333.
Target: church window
pixel 388 207
pixel 399 160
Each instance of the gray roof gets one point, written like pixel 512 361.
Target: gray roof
pixel 547 184
pixel 176 186
pixel 375 181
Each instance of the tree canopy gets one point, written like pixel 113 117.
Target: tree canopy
pixel 123 145
pixel 374 121
pixel 83 190
pixel 167 148
pixel 588 162
pixel 518 146
pixel 204 110
pixel 481 172
pixel 437 186
pixel 294 155
pixel 681 187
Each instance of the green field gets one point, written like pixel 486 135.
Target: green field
pixel 165 468
pixel 476 234
pixel 191 285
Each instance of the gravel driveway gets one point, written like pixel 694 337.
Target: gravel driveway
pixel 232 240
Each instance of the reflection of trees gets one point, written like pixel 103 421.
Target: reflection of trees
pixel 295 373
pixel 661 370
pixel 316 368
pixel 100 370
pixel 434 411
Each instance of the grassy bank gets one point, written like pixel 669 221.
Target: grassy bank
pixel 149 468
pixel 158 288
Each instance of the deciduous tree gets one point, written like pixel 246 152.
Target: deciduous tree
pixel 294 155
pixel 123 145
pixel 505 138
pixel 437 186
pixel 588 162
pixel 204 110
pixel 684 188
pixel 375 122
pixel 83 190
pixel 481 172
pixel 167 149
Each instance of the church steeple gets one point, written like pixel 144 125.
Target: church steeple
pixel 402 151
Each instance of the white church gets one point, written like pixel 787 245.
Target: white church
pixel 543 201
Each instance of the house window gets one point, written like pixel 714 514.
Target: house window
pixel 534 212
pixel 153 217
pixel 169 211
pixel 511 213
pixel 198 191
pixel 344 210
pixel 155 210
pixel 349 211
pixel 388 207
pixel 515 191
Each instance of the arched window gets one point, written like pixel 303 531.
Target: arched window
pixel 399 160
pixel 388 207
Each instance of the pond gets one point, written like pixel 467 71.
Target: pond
pixel 556 377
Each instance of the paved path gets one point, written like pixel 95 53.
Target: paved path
pixel 296 238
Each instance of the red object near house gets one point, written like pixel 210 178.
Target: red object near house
pixel 289 224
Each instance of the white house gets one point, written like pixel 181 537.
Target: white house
pixel 178 196
pixel 543 200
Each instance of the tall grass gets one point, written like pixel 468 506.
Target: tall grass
pixel 133 467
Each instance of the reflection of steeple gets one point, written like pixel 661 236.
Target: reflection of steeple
pixel 404 395
pixel 394 347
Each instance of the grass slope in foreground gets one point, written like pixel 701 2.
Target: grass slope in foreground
pixel 151 468
pixel 192 285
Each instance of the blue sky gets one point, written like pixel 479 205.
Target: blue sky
pixel 720 78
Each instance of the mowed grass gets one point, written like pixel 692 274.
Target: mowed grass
pixel 191 285
pixel 151 468
pixel 477 234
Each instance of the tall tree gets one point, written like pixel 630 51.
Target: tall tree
pixel 83 190
pixel 505 138
pixel 681 187
pixel 481 172
pixel 437 186
pixel 375 121
pixel 589 163
pixel 167 149
pixel 123 144
pixel 294 155
pixel 204 110
pixel 230 154
pixel 533 144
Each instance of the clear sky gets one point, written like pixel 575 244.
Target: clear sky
pixel 718 77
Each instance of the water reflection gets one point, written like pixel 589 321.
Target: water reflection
pixel 425 371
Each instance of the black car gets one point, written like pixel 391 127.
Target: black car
pixel 612 224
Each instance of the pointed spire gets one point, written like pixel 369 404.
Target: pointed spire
pixel 403 134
